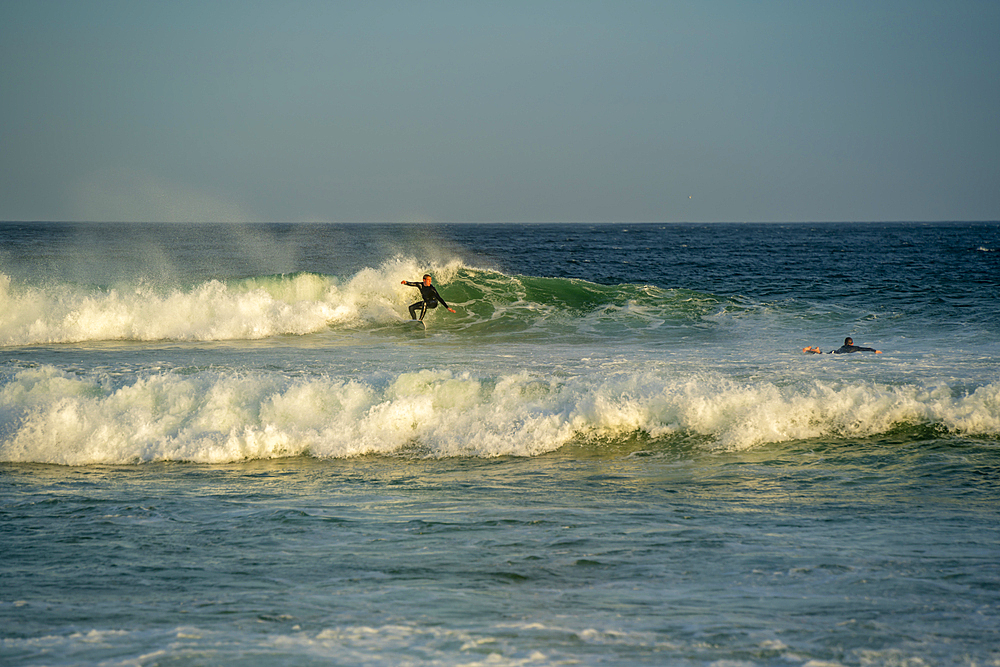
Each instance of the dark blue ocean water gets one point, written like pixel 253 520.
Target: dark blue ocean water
pixel 219 445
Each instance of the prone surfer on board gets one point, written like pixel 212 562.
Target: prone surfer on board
pixel 846 348
pixel 429 298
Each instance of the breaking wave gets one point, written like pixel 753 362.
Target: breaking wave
pixel 306 303
pixel 53 416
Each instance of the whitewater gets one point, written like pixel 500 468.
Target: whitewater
pixel 618 419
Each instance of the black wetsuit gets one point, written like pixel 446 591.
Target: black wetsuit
pixel 847 349
pixel 430 298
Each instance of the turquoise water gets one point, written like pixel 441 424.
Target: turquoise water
pixel 218 446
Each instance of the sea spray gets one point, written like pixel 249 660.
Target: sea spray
pixel 614 451
pixel 239 309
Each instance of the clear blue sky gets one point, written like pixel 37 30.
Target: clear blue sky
pixel 667 111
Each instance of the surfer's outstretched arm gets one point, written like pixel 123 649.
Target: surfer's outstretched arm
pixel 438 295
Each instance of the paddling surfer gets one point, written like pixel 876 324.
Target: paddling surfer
pixel 847 348
pixel 429 298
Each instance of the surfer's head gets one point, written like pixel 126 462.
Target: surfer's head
pixel 427 279
pixel 848 341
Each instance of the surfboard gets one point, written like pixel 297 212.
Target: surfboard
pixel 416 325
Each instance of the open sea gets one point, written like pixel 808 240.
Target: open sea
pixel 220 445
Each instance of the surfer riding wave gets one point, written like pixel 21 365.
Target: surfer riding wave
pixel 429 298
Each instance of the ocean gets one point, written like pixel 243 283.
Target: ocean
pixel 221 445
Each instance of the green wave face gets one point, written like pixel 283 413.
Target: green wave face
pixel 494 303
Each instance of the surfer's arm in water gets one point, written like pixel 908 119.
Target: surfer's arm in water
pixel 848 349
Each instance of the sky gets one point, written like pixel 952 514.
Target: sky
pixel 528 111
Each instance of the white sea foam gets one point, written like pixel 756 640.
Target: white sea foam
pixel 344 644
pixel 49 415
pixel 211 311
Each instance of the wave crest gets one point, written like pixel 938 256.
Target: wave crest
pixel 306 303
pixel 216 310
